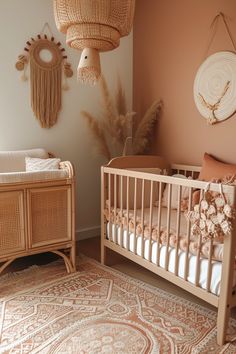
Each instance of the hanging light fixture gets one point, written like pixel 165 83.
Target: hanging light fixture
pixel 93 26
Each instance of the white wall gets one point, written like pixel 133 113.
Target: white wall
pixel 69 138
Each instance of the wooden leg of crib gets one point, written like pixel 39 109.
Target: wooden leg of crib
pixel 103 254
pixel 226 283
pixel 222 322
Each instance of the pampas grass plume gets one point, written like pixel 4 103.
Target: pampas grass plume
pixel 114 129
pixel 144 129
pixel 98 133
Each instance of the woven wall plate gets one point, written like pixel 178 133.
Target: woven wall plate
pixel 215 87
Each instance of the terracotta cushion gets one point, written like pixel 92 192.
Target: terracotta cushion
pixel 213 169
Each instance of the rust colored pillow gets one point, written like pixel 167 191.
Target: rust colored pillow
pixel 213 169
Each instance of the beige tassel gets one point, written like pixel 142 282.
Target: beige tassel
pixel 24 77
pixel 65 85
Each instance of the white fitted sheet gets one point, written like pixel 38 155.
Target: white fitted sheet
pixel 216 266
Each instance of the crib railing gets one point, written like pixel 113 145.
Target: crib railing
pixel 186 170
pixel 128 195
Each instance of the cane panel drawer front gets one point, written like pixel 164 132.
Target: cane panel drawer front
pixel 12 225
pixel 49 215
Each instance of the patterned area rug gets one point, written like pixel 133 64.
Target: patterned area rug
pixel 99 310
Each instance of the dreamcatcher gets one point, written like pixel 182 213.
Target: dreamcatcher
pixel 45 75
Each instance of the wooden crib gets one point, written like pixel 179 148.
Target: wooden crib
pixel 131 202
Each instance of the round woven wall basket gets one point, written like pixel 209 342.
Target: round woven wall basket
pixel 215 87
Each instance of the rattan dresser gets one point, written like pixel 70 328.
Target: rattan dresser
pixel 38 216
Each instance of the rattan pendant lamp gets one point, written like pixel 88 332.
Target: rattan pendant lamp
pixel 93 26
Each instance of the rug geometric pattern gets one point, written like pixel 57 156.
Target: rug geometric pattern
pixel 99 310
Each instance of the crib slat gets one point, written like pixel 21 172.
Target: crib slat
pixel 186 263
pixel 159 223
pixel 115 207
pixel 177 230
pixel 142 218
pixel 121 211
pixel 197 270
pixel 104 230
pixel 168 226
pixel 198 260
pixel 127 209
pixel 150 222
pixel 109 206
pixel 209 269
pixel 135 214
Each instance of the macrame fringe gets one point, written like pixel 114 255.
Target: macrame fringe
pixel 46 85
pixel 88 75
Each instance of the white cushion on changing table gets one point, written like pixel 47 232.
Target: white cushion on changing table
pixel 22 176
pixel 13 161
pixel 36 164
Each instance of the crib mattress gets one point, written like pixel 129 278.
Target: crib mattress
pixel 216 265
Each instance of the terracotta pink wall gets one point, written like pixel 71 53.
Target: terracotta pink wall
pixel 170 41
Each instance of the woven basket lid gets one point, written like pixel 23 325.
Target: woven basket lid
pixel 215 86
pixel 93 26
pixel 97 24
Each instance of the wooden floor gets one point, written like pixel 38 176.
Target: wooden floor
pixel 91 248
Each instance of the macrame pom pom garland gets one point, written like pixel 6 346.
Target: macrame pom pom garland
pixel 22 61
pixel 67 70
pixel 212 217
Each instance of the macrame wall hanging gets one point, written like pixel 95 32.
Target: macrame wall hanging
pixel 93 26
pixel 47 61
pixel 215 81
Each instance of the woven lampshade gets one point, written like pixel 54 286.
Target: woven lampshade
pixel 94 25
